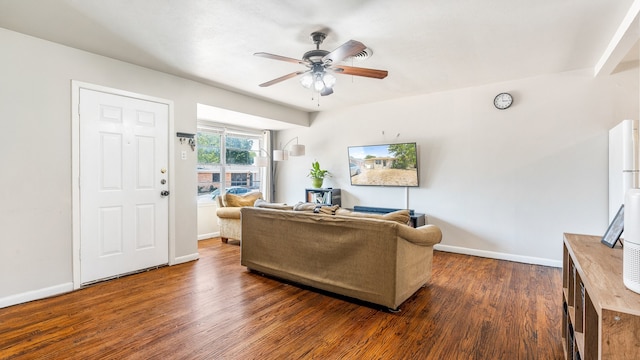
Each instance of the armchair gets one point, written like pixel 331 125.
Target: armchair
pixel 228 213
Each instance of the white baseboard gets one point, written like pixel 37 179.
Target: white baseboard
pixel 35 295
pixel 498 255
pixel 186 258
pixel 64 288
pixel 208 236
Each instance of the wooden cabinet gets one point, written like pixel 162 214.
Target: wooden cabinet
pixel 327 196
pixel 601 317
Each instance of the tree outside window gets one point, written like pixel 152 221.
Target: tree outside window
pixel 234 172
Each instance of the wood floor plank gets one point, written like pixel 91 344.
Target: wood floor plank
pixel 213 308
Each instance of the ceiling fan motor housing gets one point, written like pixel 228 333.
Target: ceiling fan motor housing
pixel 314 56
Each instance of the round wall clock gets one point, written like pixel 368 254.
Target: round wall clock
pixel 503 101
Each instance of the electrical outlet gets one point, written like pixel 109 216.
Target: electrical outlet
pixel 183 155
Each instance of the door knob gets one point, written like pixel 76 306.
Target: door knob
pixel 164 192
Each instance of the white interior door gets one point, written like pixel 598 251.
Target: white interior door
pixel 123 184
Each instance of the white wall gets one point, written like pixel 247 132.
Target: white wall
pixel 500 181
pixel 35 145
pixel 502 184
pixel 208 226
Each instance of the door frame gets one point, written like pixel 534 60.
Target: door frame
pixel 75 169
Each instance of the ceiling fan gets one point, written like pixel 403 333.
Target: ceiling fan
pixel 322 63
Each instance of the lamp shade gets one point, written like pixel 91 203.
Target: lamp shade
pixel 329 80
pixel 297 150
pixel 307 80
pixel 279 155
pixel 318 84
pixel 261 161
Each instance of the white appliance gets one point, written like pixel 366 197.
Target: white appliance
pixel 631 248
pixel 624 155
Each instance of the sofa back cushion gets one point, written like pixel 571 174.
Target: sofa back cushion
pixel 248 199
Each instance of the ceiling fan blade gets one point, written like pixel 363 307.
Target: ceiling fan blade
pixel 358 71
pixel 282 78
pixel 278 57
pixel 326 91
pixel 350 48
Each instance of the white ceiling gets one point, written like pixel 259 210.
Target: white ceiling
pixel 426 45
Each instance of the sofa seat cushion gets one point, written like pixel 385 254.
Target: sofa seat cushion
pixel 399 216
pixel 248 199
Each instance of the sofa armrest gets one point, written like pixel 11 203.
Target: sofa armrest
pixel 426 235
pixel 228 212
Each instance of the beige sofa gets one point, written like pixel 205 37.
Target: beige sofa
pixel 228 213
pixel 363 257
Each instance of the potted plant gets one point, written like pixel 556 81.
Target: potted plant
pixel 317 175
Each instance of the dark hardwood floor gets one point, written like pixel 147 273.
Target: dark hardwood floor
pixel 474 308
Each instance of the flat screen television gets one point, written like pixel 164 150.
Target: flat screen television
pixel 384 165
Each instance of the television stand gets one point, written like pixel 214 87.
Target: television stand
pixel 417 219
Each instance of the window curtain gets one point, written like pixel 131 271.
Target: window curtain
pixel 269 171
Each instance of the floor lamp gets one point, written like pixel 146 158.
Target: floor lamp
pixel 283 154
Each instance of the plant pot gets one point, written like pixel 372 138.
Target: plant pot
pixel 317 182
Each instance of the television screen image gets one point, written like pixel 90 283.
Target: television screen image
pixel 384 165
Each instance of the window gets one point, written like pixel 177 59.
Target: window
pixel 225 161
pixel 209 146
pixel 241 179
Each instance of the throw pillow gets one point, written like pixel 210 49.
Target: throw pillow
pixel 316 208
pixel 326 209
pixel 309 206
pixel 267 205
pixel 248 199
pixel 399 216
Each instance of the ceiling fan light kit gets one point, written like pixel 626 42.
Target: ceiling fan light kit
pixel 322 63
